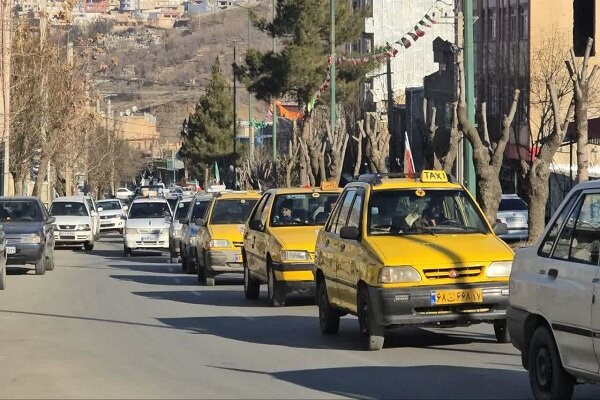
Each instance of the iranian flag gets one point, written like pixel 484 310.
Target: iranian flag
pixel 409 164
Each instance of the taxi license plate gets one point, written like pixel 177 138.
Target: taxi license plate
pixel 67 233
pixel 149 238
pixel 515 219
pixel 456 296
pixel 11 250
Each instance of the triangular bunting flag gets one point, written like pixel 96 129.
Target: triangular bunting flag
pixel 419 32
pixel 423 23
pixel 405 42
pixel 431 18
pixel 413 36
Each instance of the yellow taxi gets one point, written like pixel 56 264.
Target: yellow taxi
pixel 402 251
pixel 279 242
pixel 220 235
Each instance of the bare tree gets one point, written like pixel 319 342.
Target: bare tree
pixel 581 89
pixel 378 139
pixel 437 156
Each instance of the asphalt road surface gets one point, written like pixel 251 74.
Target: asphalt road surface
pixel 100 325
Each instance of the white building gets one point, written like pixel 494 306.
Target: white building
pixel 393 20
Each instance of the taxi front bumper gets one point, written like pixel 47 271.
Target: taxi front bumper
pixel 413 306
pixel 224 261
pixel 295 277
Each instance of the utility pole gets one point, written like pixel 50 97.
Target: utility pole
pixel 6 41
pixel 69 166
pixel 250 127
pixel 234 105
pixel 469 66
pixel 390 100
pixel 274 110
pixel 332 106
pixel 43 88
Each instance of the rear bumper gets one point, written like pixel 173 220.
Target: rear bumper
pixel 224 261
pixel 25 254
pixel 413 306
pixel 515 318
pixel 516 234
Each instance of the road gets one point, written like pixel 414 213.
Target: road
pixel 100 325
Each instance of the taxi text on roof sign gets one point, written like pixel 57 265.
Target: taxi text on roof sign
pixel 326 185
pixel 430 176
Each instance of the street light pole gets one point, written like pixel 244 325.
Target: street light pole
pixel 250 127
pixel 274 107
pixel 234 105
pixel 332 66
pixel 469 167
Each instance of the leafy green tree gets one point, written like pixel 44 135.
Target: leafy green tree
pixel 207 133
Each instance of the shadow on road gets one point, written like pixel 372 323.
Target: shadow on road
pixel 167 280
pixel 158 267
pixel 20 270
pixel 418 382
pixel 303 332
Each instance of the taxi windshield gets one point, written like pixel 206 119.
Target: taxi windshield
pixel 302 209
pixel 418 211
pixel 231 211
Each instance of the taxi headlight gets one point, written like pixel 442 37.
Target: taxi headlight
pixel 499 269
pixel 219 243
pixel 295 255
pixel 131 231
pixel 399 274
pixel 82 227
pixel 31 238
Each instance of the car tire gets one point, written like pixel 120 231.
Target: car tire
pixel 329 317
pixel 251 285
pixel 276 293
pixel 88 246
pixel 40 265
pixel 126 251
pixel 50 261
pixel 501 331
pixel 121 231
pixel 190 267
pixel 547 377
pixel 183 260
pixel 3 274
pixel 373 334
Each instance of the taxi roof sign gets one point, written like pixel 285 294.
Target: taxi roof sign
pixel 328 185
pixel 433 176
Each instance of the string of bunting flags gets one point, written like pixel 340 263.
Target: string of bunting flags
pixel 406 41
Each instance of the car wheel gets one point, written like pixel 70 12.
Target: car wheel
pixel 50 261
pixel 373 334
pixel 183 260
pixel 329 317
pixel 547 377
pixel 126 251
pixel 251 285
pixel 40 265
pixel 88 246
pixel 190 266
pixel 501 331
pixel 121 231
pixel 3 274
pixel 275 292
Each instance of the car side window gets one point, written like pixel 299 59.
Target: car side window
pixel 258 210
pixel 552 234
pixel 355 213
pixel 345 209
pixel 562 250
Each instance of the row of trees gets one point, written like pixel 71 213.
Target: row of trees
pixel 317 153
pixel 55 121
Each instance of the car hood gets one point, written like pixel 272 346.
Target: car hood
pixel 15 228
pixel 72 220
pixel 425 250
pixel 297 237
pixel 231 232
pixel 111 213
pixel 146 223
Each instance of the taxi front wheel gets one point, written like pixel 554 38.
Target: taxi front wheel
pixel 501 331
pixel 251 285
pixel 547 377
pixel 373 334
pixel 276 293
pixel 329 317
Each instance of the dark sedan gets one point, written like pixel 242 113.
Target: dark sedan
pixel 29 232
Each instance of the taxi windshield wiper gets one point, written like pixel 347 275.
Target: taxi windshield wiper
pixel 422 229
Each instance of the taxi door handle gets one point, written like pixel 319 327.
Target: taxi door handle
pixel 553 272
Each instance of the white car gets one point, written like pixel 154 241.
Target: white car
pixel 74 222
pixel 111 215
pixel 513 211
pixel 123 194
pixel 95 216
pixel 554 315
pixel 147 225
pixel 181 211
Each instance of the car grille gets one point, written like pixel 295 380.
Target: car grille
pixel 444 273
pixel 148 230
pixel 13 239
pixel 107 216
pixel 67 227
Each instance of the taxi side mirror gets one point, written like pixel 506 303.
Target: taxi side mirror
pixel 256 225
pixel 500 228
pixel 350 233
pixel 184 221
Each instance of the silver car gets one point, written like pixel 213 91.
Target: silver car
pixel 180 211
pixel 513 211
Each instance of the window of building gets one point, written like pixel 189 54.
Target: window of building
pixel 584 25
pixel 493 99
pixel 492 28
pixel 513 23
pixel 523 22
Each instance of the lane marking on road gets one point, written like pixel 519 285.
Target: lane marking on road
pixel 241 314
pixel 199 294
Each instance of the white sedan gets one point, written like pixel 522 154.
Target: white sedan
pixel 111 215
pixel 123 193
pixel 147 225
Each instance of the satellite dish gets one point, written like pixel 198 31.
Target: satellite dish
pixel 128 112
pixel 134 108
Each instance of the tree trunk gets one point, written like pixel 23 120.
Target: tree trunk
pixel 41 175
pixel 358 162
pixel 581 121
pixel 537 191
pixel 18 185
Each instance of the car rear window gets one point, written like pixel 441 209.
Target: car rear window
pixel 512 204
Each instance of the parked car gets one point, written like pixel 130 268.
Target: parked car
pixel 147 225
pixel 111 215
pixel 74 222
pixel 3 258
pixel 123 194
pixel 513 211
pixel 554 315
pixel 29 232
pixel 181 210
pixel 94 212
pixel 189 231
